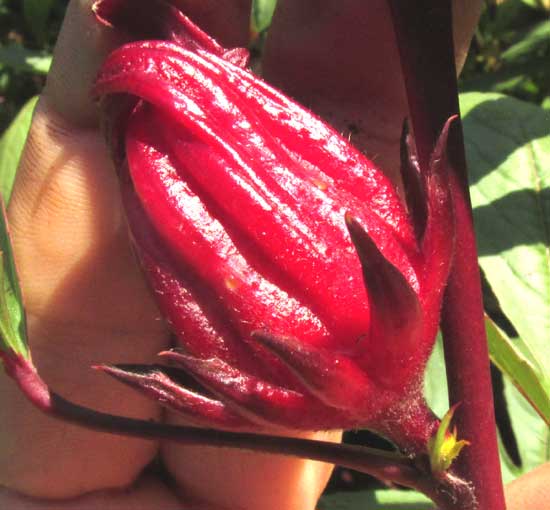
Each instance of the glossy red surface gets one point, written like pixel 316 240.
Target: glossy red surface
pixel 304 293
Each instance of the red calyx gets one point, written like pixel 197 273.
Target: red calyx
pixel 303 292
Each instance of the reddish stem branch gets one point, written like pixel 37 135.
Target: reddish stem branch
pixel 448 493
pixel 425 40
pixel 387 466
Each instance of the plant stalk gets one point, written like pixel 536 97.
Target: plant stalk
pixel 425 39
pixel 388 466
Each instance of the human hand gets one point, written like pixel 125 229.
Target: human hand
pixel 87 303
pixel 531 491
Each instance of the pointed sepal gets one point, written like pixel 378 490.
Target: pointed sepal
pixel 158 19
pixel 395 308
pixel 173 389
pixel 334 379
pixel 440 222
pixel 413 183
pixel 437 244
pixel 260 401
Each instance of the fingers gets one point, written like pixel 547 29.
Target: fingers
pixel 145 495
pixel 81 47
pixel 342 61
pixel 85 298
pixel 227 21
pixel 83 44
pixel 227 479
pixel 86 303
pixel 531 491
pixel 465 18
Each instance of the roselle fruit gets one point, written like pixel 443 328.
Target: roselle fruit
pixel 303 291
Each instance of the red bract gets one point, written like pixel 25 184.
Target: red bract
pixel 304 293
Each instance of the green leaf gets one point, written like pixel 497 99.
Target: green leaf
pixel 508 150
pixel 517 78
pixel 509 16
pixel 36 14
pixel 22 59
pixel 13 330
pixel 12 315
pixel 512 358
pixel 387 499
pixel 11 146
pixel 536 4
pixel 532 433
pixel 435 391
pixel 509 470
pixel 435 381
pixel 262 12
pixel 533 41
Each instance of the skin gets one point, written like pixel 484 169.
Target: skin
pixel 87 302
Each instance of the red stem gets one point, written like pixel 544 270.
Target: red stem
pixel 425 40
pixel 387 466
